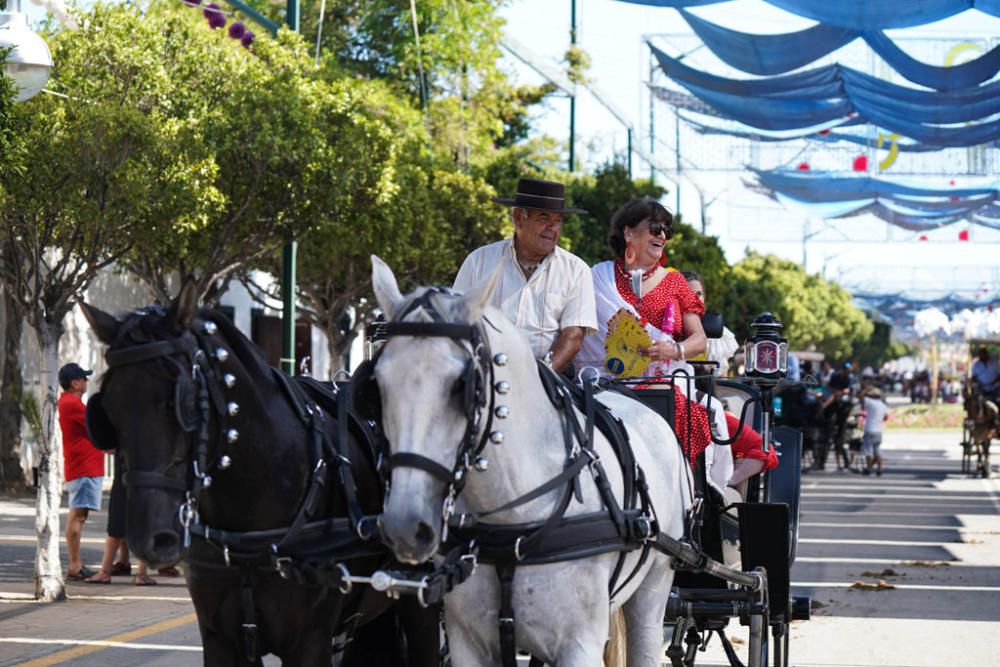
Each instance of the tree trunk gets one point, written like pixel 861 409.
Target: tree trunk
pixel 338 345
pixel 11 386
pixel 49 584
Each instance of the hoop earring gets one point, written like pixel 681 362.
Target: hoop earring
pixel 629 253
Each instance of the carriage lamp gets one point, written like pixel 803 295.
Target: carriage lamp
pixel 766 351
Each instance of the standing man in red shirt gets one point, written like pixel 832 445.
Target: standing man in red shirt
pixel 84 464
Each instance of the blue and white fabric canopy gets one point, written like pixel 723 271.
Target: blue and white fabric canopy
pixel 824 136
pixel 838 95
pixel 859 14
pixel 777 54
pixel 898 303
pixel 909 207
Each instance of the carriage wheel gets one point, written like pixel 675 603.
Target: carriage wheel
pixel 780 644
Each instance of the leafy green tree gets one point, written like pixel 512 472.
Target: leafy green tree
pixel 95 185
pixel 266 148
pixel 448 130
pixel 880 347
pixel 425 231
pixel 12 166
pixel 814 311
pixel 180 153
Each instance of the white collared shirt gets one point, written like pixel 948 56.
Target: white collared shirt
pixel 559 294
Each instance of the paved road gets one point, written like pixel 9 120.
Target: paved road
pixel 929 532
pixel 922 528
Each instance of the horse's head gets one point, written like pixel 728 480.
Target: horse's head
pixel 164 405
pixel 434 375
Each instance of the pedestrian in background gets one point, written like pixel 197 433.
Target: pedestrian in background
pixel 876 412
pixel 83 464
pixel 114 543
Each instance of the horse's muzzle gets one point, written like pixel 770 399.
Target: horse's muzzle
pixel 154 533
pixel 412 539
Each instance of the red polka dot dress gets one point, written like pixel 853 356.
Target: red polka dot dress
pixel 664 307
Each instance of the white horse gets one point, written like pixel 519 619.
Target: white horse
pixel 561 609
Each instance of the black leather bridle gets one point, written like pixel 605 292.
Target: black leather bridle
pixel 476 384
pixel 188 352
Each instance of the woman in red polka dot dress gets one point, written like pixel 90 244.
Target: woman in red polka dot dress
pixel 666 306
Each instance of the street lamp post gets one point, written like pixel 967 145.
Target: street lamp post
pixel 29 62
pixel 288 259
pixel 288 255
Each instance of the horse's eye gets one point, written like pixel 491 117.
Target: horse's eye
pixel 459 387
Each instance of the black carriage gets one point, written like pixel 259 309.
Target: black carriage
pixel 759 535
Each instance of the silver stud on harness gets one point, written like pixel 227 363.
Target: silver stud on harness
pixel 225 462
pixel 209 327
pixel 232 435
pixel 503 387
pixel 221 354
pixel 229 380
pixel 496 437
pixel 500 359
pixel 232 409
pixel 482 464
pixel 502 412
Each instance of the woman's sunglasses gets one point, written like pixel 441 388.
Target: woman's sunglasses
pixel 657 228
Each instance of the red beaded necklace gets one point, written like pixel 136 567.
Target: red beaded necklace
pixel 620 265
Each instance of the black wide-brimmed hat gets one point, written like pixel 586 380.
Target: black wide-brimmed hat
pixel 542 195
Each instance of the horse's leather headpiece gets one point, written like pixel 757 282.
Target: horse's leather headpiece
pixel 473 385
pixel 195 391
pixel 99 428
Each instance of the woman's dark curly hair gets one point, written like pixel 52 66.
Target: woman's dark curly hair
pixel 692 275
pixel 630 215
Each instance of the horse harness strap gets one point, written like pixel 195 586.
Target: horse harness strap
pixel 620 527
pixel 249 626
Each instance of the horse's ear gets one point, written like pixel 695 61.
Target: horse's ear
pixel 477 298
pixel 104 325
pixel 386 289
pixel 182 311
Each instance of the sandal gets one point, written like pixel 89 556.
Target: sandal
pixel 81 575
pixel 144 580
pixel 121 568
pixel 99 578
pixel 169 571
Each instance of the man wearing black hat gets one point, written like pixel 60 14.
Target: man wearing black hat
pixel 82 462
pixel 546 291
